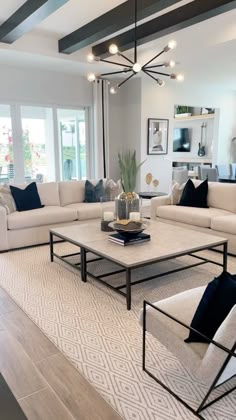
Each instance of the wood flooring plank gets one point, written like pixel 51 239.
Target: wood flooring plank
pixel 44 405
pixel 34 342
pixel 80 398
pixel 7 304
pixel 16 367
pixel 9 407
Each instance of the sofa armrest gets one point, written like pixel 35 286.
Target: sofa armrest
pixel 3 230
pixel 159 201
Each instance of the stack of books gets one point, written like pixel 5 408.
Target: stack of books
pixel 122 240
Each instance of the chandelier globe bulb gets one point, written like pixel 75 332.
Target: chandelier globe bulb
pixel 90 58
pixel 91 77
pixel 172 44
pixel 113 49
pixel 137 67
pixel 113 90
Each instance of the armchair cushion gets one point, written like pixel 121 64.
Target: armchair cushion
pixel 217 301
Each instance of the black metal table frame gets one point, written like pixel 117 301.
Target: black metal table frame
pixel 82 265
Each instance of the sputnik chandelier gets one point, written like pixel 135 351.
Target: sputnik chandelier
pixel 134 67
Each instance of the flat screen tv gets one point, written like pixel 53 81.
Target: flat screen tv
pixel 181 141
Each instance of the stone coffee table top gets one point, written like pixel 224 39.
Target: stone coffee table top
pixel 167 241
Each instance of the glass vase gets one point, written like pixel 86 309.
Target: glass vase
pixel 126 203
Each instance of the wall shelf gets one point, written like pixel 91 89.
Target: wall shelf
pixel 195 117
pixel 191 159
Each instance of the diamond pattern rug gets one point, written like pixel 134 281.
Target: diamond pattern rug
pixel 89 323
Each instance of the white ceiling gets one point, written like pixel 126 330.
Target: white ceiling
pixel 206 51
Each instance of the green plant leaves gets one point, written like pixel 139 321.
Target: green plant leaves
pixel 128 170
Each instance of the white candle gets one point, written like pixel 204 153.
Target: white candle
pixel 108 216
pixel 134 215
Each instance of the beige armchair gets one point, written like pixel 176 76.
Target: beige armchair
pixel 212 363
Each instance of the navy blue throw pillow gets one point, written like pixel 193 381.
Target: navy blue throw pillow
pixel 194 197
pixel 93 193
pixel 27 199
pixel 217 301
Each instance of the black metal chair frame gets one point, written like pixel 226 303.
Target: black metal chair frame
pixel 230 352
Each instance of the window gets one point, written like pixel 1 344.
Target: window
pixel 6 146
pixel 72 138
pixel 38 143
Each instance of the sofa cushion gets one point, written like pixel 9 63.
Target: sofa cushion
pixel 225 224
pixel 93 193
pixel 113 189
pixel 49 193
pixel 6 199
pixel 194 196
pixel 190 215
pixel 87 211
pixel 26 198
pixel 39 217
pixel 71 192
pixel 221 195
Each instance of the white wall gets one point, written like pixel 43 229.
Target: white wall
pixel 43 87
pixel 125 123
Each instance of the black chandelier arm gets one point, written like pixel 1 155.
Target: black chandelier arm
pixel 150 75
pixel 135 31
pixel 126 58
pixel 116 72
pixel 154 58
pixel 158 72
pixel 117 64
pixel 126 80
pixel 154 65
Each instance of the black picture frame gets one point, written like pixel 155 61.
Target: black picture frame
pixel 158 134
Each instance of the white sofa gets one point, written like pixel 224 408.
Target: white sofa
pixel 64 205
pixel 219 219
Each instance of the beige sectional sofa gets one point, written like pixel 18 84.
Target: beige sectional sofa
pixel 64 205
pixel 219 219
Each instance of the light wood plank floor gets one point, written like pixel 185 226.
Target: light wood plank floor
pixel 43 381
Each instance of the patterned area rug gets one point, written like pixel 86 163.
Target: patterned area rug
pixel 89 323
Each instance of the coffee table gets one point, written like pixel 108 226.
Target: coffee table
pixel 167 242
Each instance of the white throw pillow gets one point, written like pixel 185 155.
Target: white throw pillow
pixel 113 189
pixel 176 192
pixel 6 199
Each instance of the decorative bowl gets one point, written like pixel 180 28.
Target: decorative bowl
pixel 129 228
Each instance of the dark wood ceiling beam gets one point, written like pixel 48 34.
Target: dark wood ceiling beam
pixel 180 18
pixel 26 17
pixel 116 19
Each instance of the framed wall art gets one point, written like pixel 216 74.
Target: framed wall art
pixel 157 136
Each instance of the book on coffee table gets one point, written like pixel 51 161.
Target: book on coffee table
pixel 122 240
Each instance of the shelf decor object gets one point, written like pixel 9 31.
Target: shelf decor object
pixel 132 67
pixel 157 136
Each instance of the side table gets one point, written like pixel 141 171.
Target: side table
pixel 151 194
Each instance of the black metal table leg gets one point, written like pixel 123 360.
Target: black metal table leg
pixel 83 264
pixel 128 288
pixel 51 246
pixel 225 254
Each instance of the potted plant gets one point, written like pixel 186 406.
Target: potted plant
pixel 128 200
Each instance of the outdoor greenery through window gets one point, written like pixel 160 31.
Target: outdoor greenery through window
pixel 6 145
pixel 42 154
pixel 73 143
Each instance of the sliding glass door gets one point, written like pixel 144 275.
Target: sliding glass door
pixel 72 139
pixel 38 143
pixel 6 146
